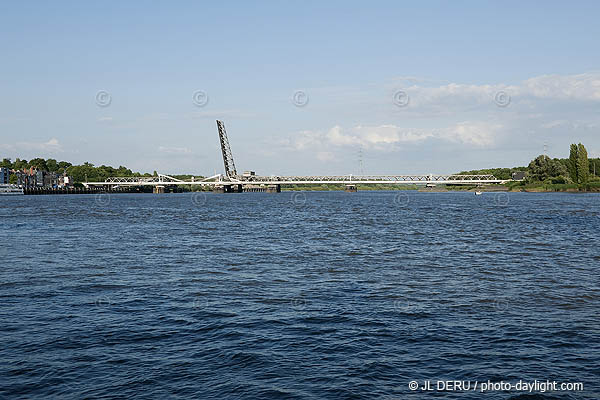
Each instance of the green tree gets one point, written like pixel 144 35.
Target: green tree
pixel 122 171
pixel 20 164
pixel 81 172
pixel 583 165
pixel 594 167
pixel 499 173
pixel 52 165
pixel 6 163
pixel 544 167
pixel 38 163
pixel 573 162
pixel 64 165
pixel 13 179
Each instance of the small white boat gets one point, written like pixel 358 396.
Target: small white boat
pixel 478 193
pixel 10 190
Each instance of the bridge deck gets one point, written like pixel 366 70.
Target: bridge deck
pixel 165 180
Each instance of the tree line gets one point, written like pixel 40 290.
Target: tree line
pixel 577 169
pixel 79 173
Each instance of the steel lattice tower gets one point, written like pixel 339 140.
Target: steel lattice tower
pixel 230 170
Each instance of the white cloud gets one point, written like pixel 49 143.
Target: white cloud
pixel 569 124
pixel 390 137
pixel 174 150
pixel 325 156
pixel 455 94
pixel 473 133
pixel 384 135
pixel 452 96
pixel 584 87
pixel 554 124
pixel 52 146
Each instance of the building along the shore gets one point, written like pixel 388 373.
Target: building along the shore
pixel 4 175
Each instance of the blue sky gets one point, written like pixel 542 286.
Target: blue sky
pixel 487 84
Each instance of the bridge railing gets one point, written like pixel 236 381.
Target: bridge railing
pixel 371 178
pixel 306 179
pixel 160 178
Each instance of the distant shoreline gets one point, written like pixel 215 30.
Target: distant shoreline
pixel 441 189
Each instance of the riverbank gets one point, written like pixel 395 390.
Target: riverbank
pixel 537 187
pixel 540 187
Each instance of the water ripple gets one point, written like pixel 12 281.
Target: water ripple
pixel 347 296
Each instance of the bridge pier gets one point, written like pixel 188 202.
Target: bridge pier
pixel 228 189
pixel 158 189
pixel 274 189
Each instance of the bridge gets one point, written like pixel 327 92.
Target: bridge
pixel 231 181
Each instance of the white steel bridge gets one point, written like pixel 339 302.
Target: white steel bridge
pixel 222 180
pixel 232 179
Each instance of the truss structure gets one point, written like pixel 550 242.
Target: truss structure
pixel 431 178
pixel 230 170
pixel 159 179
pixel 222 180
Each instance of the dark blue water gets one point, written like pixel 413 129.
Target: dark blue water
pixel 297 296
